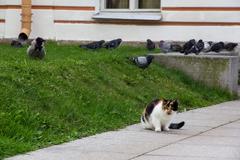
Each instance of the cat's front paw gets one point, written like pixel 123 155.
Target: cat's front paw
pixel 158 130
pixel 166 129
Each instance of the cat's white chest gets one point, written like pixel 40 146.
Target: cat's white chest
pixel 164 118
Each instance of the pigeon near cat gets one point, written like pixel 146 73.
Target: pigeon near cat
pixel 188 47
pixel 165 46
pixel 113 43
pixel 158 115
pixel 93 45
pixel 36 49
pixel 150 45
pixel 217 47
pixel 230 46
pixel 142 61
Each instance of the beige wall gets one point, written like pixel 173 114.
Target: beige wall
pixel 72 20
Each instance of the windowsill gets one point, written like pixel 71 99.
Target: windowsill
pixel 154 16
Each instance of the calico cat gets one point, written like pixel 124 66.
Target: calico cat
pixel 158 115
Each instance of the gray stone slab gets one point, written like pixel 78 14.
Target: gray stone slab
pixel 206 123
pixel 186 130
pixel 230 132
pixel 212 140
pixel 148 157
pixel 232 125
pixel 72 155
pixel 221 70
pixel 189 130
pixel 203 151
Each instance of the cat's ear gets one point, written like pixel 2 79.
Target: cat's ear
pixel 164 101
pixel 175 101
pixel 175 105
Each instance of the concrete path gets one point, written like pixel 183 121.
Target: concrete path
pixel 211 133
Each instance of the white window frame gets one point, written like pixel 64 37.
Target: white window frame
pixel 133 13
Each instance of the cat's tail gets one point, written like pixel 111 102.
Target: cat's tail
pixel 176 125
pixel 145 123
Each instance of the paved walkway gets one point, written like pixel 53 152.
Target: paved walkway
pixel 211 133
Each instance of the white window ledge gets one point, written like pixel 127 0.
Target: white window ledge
pixel 128 16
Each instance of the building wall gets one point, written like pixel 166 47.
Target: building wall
pixel 72 20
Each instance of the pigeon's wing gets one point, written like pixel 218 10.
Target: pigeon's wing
pixel 141 61
pixel 30 50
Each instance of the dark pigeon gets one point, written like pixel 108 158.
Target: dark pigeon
pixel 150 45
pixel 189 47
pixel 165 46
pixel 142 61
pixel 113 43
pixel 230 46
pixel 194 49
pixel 217 47
pixel 176 48
pixel 16 43
pixel 93 45
pixel 36 49
pixel 199 46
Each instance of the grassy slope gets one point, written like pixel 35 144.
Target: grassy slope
pixel 75 93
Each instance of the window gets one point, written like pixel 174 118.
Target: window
pixel 129 9
pixel 117 4
pixel 154 4
pixel 131 5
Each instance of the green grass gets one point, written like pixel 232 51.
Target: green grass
pixel 75 93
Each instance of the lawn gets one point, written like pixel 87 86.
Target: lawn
pixel 74 93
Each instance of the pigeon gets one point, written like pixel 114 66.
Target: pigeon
pixel 193 49
pixel 36 49
pixel 199 46
pixel 165 46
pixel 113 43
pixel 142 61
pixel 217 47
pixel 176 125
pixel 93 45
pixel 16 43
pixel 150 45
pixel 207 46
pixel 176 48
pixel 230 46
pixel 189 47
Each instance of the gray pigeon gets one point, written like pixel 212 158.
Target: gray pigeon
pixel 217 47
pixel 142 61
pixel 93 45
pixel 150 45
pixel 189 47
pixel 230 46
pixel 176 48
pixel 113 43
pixel 207 46
pixel 165 46
pixel 36 49
pixel 16 43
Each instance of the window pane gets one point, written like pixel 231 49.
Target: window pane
pixel 117 4
pixel 149 4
